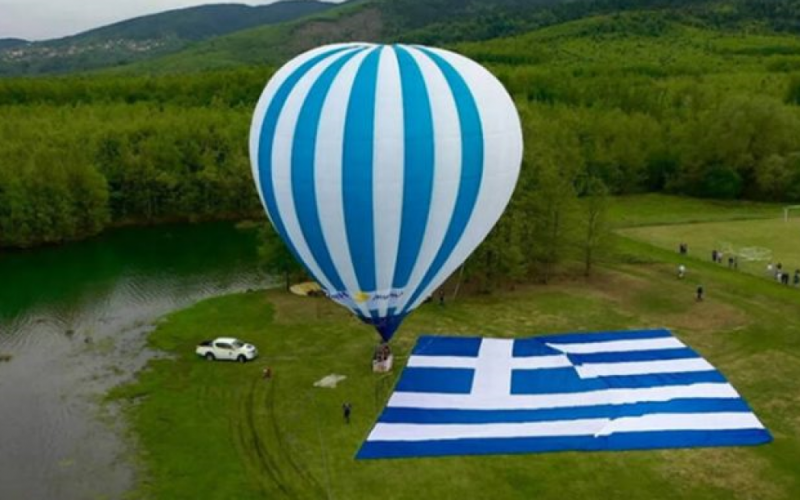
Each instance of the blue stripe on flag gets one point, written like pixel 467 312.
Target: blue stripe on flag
pixel 357 171
pixel 436 380
pixel 632 356
pixel 267 139
pixel 430 345
pixel 471 168
pixel 532 347
pixel 418 166
pixel 303 156
pixel 567 380
pixel 440 416
pixel 580 338
pixel 623 441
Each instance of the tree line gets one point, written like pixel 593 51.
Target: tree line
pixel 69 172
pixel 610 105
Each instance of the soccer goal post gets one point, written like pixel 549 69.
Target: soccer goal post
pixel 787 211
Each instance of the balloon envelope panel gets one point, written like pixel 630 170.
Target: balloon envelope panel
pixel 383 168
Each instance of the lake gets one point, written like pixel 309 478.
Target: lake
pixel 73 323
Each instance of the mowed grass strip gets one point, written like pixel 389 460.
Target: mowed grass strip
pixel 659 209
pixel 218 431
pixel 779 237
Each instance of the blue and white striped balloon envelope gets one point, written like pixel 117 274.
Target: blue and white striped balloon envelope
pixel 383 167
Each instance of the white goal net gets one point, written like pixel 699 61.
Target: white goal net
pixel 747 254
pixel 787 212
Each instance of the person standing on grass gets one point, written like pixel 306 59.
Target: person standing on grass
pixel 681 271
pixel 797 278
pixel 700 293
pixel 713 255
pixel 346 409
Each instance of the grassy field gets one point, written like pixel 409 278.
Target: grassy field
pixel 659 209
pixel 743 237
pixel 218 431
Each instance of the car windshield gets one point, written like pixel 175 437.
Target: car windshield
pixel 237 344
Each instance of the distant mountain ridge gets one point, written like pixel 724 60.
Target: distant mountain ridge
pixel 452 22
pixel 212 37
pixel 11 42
pixel 144 37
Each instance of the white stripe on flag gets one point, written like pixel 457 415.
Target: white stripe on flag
pixel 562 400
pixel 594 370
pixel 683 422
pixel 619 346
pixel 526 363
pixel 585 427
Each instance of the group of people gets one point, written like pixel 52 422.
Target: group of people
pixel 718 257
pixel 773 271
pixel 782 276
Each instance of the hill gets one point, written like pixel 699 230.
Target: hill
pixel 144 37
pixel 224 36
pixel 6 43
pixel 448 22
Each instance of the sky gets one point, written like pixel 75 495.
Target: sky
pixel 45 19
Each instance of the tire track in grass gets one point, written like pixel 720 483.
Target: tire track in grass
pixel 304 473
pixel 254 451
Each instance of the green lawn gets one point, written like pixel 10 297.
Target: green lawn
pixel 217 431
pixel 781 238
pixel 650 209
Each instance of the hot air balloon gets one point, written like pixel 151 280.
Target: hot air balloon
pixel 382 167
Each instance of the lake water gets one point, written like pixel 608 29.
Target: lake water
pixel 74 321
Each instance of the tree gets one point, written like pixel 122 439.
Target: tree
pixel 595 206
pixel 275 257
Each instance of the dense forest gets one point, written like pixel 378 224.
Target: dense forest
pixel 79 154
pixel 615 104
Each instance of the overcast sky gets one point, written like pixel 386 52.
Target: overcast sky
pixel 44 19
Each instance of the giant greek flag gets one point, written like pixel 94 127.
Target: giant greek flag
pixel 592 391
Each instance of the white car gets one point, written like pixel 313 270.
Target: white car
pixel 227 348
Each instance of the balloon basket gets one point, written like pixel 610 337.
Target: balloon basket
pixel 384 365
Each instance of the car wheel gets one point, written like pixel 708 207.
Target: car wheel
pixel 241 358
pixel 210 356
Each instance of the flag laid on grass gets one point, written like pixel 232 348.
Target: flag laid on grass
pixel 591 391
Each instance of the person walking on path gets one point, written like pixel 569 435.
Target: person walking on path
pixel 347 408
